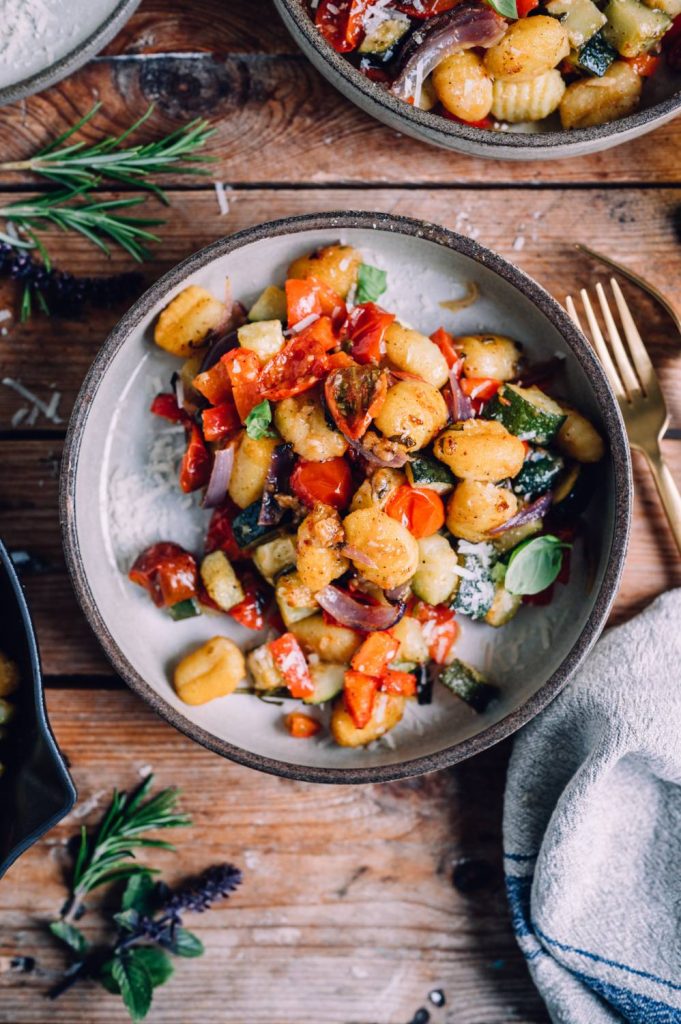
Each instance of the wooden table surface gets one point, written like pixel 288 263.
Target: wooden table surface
pixel 348 913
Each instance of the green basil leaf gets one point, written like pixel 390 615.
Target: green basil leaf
pixel 258 421
pixel 73 937
pixel 157 963
pixel 534 565
pixel 127 919
pixel 371 282
pixel 506 8
pixel 185 943
pixel 107 980
pixel 135 985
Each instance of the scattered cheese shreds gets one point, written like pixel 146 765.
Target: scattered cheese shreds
pixel 223 201
pixel 49 411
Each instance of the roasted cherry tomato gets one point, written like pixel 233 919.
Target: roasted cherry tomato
pixel 168 572
pixel 426 8
pixel 329 482
pixel 165 405
pixel 251 611
pixel 418 508
pixel 214 384
pixel 359 695
pixel 439 627
pixel 301 726
pixel 220 536
pixel 401 683
pixel 341 22
pixel 480 388
pixel 290 660
pixel 447 345
pixel 366 329
pixel 298 367
pixel 220 421
pixel 243 368
pixel 354 395
pixel 195 466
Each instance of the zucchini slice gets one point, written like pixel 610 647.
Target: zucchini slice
pixel 427 471
pixel 632 27
pixel 475 594
pixel 437 577
pixel 526 412
pixel 596 55
pixel 265 338
pixel 274 557
pixel 328 682
pixel 221 581
pixel 381 41
pixel 270 305
pixel 294 600
pixel 246 529
pixel 468 684
pixel 510 538
pixel 580 18
pixel 537 474
pixel 504 606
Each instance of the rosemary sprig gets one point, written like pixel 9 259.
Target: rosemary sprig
pixel 77 164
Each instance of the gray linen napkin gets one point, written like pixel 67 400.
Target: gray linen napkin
pixel 592 831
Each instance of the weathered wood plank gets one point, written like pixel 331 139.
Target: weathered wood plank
pixel 347 912
pixel 532 229
pixel 278 120
pixel 29 520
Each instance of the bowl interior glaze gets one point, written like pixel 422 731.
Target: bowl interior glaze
pixel 119 495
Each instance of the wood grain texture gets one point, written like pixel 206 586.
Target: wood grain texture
pixel 532 229
pixel 347 913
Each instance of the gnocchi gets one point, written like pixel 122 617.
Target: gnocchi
pixel 490 355
pixel 335 265
pixel 390 554
pixel 320 538
pixel 475 508
pixel 463 86
pixel 480 450
pixel 414 352
pixel 214 669
pixel 592 101
pixel 528 101
pixel 413 413
pixel 388 711
pixel 301 421
pixel 530 47
pixel 184 325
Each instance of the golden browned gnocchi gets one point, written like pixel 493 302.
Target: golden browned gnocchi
pixel 530 47
pixel 185 323
pixel 490 355
pixel 475 508
pixel 516 102
pixel 463 86
pixel 335 265
pixel 413 413
pixel 390 552
pixel 377 489
pixel 330 643
pixel 414 352
pixel 480 450
pixel 320 539
pixel 388 711
pixel 301 421
pixel 578 438
pixel 591 101
pixel 214 669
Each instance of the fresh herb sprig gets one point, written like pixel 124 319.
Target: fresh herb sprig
pixel 78 165
pixel 148 925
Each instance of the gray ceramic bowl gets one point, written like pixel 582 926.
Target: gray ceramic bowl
pixel 119 494
pixel 663 102
pixel 36 790
pixel 97 25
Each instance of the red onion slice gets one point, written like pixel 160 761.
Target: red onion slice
pixel 461 405
pixel 354 615
pixel 535 510
pixel 221 474
pixel 357 556
pixel 221 343
pixel 276 482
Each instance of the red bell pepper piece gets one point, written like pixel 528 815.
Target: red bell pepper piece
pixel 439 627
pixel 165 405
pixel 339 360
pixel 375 654
pixel 290 660
pixel 168 572
pixel 195 466
pixel 484 122
pixel 220 536
pixel 523 7
pixel 366 328
pixel 479 388
pixel 301 726
pixel 320 332
pixel 312 297
pixel 243 369
pixel 251 611
pixel 220 421
pixel 359 695
pixel 402 684
pixel 329 482
pixel 447 345
pixel 214 384
pixel 645 65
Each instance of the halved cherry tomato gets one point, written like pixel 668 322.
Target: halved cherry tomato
pixel 329 482
pixel 523 7
pixel 165 405
pixel 301 726
pixel 354 395
pixel 359 695
pixel 195 465
pixel 480 388
pixel 366 329
pixel 298 367
pixel 168 572
pixel 375 654
pixel 426 8
pixel 220 536
pixel 243 368
pixel 439 627
pixel 418 508
pixel 251 611
pixel 645 65
pixel 214 384
pixel 290 660
pixel 447 345
pixel 341 22
pixel 400 683
pixel 220 421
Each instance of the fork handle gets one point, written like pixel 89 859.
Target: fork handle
pixel 668 491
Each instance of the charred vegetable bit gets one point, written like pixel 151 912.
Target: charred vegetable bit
pixel 371 486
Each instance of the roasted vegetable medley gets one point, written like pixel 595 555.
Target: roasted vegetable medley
pixel 508 61
pixel 368 485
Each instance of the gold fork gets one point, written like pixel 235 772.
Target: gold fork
pixel 634 381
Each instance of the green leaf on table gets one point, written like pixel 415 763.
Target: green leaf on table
pixel 73 937
pixel 134 983
pixel 534 565
pixel 506 8
pixel 185 943
pixel 157 963
pixel 371 282
pixel 138 893
pixel 258 421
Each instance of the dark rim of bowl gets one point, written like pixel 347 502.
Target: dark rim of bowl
pixel 445 130
pixel 581 350
pixel 74 59
pixel 41 718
